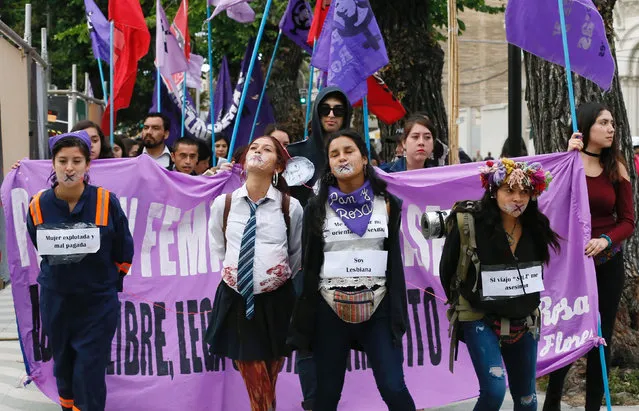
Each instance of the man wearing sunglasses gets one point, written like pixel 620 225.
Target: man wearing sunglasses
pixel 331 112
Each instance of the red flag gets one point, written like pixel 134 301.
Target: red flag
pixel 131 39
pixel 180 28
pixel 321 11
pixel 382 102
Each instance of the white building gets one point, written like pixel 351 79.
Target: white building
pixel 484 77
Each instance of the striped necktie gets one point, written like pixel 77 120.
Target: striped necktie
pixel 246 259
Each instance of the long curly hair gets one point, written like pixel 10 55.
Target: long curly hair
pixel 328 179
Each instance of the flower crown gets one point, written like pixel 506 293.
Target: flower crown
pixel 520 173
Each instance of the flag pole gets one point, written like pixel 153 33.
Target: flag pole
pixel 604 371
pixel 111 69
pixel 102 82
pixel 268 76
pixel 211 91
pixel 367 137
pixel 310 94
pixel 159 89
pixel 249 74
pixel 571 93
pixel 184 91
pixel 453 84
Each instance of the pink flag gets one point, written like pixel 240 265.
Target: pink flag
pixel 169 57
pixel 238 10
pixel 194 73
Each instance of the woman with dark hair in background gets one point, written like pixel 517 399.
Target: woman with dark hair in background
pixel 279 133
pixel 119 149
pixel 345 302
pixel 79 290
pixel 100 147
pixel 612 221
pixel 131 147
pixel 256 233
pixel 498 325
pixel 422 149
pixel 221 147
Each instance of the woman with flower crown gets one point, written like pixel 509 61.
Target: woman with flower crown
pixel 494 306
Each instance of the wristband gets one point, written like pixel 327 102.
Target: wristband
pixel 607 239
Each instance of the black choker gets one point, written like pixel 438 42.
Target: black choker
pixel 588 153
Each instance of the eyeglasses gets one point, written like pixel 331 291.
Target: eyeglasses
pixel 325 110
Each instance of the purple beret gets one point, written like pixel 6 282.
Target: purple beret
pixel 82 135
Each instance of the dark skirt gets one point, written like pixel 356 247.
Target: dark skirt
pixel 230 334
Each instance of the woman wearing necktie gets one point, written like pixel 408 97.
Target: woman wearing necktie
pixel 256 233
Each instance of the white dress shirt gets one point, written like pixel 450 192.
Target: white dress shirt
pixel 276 258
pixel 165 158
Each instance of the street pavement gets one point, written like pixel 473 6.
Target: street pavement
pixel 15 396
pixel 508 406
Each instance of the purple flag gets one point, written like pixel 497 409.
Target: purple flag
pixel 98 30
pixel 223 97
pixel 169 57
pixel 265 116
pixel 535 27
pixel 296 22
pixel 238 10
pixel 158 349
pixel 194 73
pixel 171 96
pixel 350 47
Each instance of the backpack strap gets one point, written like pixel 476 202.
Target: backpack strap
pixel 102 208
pixel 225 219
pixel 467 249
pixel 461 310
pixel 35 210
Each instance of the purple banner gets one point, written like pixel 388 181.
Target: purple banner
pixel 158 348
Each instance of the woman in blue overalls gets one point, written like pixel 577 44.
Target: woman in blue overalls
pixel 83 237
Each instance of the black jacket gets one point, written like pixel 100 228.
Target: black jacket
pixel 313 147
pixel 303 320
pixel 492 249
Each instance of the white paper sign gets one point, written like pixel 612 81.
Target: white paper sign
pixel 512 283
pixel 355 263
pixel 336 230
pixel 298 171
pixel 70 241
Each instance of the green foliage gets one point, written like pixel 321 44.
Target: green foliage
pixel 69 41
pixel 624 386
pixel 439 13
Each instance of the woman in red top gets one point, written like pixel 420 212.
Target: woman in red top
pixel 612 221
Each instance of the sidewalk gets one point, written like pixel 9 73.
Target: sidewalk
pixel 14 396
pixel 508 405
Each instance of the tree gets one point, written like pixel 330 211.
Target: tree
pixel 548 105
pixel 412 32
pixel 69 44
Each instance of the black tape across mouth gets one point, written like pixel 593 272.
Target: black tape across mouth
pixel 68 177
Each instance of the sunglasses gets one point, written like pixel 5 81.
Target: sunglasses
pixel 325 110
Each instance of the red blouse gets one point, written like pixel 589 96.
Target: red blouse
pixel 611 208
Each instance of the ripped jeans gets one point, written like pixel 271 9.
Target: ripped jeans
pixel 488 358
